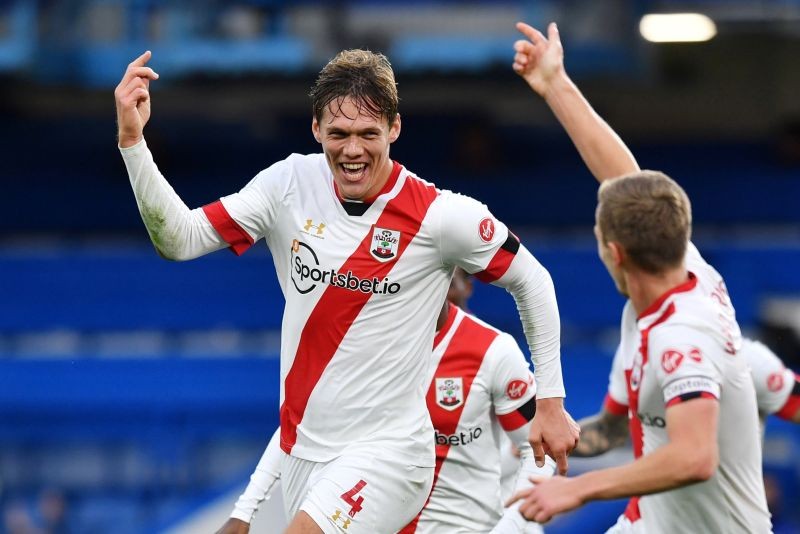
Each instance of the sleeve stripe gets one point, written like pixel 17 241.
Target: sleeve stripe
pixel 520 416
pixel 689 396
pixel 227 228
pixel 613 407
pixel 792 405
pixel 501 261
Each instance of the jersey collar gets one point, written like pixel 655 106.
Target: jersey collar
pixel 452 311
pixel 688 285
pixel 363 205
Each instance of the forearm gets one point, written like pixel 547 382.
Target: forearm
pixel 600 433
pixel 512 521
pixel 532 289
pixel 262 481
pixel 601 148
pixel 177 232
pixel 666 468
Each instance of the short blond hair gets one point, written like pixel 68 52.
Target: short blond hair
pixel 366 77
pixel 649 214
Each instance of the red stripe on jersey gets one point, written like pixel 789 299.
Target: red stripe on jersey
pixel 512 420
pixel 452 311
pixel 613 407
pixel 228 229
pixel 497 267
pixel 635 425
pixel 338 307
pixel 689 396
pixel 462 358
pixel 792 405
pixel 632 510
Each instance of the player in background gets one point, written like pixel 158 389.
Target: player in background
pixel 363 251
pixel 481 388
pixel 777 392
pixel 695 433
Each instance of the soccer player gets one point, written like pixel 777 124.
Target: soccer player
pixel 777 392
pixel 695 434
pixel 480 387
pixel 364 251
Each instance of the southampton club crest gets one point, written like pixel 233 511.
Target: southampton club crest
pixel 384 244
pixel 449 393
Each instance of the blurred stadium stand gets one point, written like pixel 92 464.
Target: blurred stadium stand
pixel 134 390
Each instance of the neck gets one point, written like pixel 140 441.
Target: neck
pixel 646 288
pixel 442 316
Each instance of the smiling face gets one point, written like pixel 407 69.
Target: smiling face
pixel 356 146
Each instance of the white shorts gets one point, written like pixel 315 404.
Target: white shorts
pixel 362 491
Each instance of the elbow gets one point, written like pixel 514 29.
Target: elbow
pixel 700 466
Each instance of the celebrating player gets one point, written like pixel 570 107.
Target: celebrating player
pixel 777 392
pixel 695 429
pixel 481 386
pixel 364 251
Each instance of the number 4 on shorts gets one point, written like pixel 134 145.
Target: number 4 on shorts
pixel 355 504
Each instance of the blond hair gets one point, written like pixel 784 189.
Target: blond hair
pixel 650 215
pixel 366 77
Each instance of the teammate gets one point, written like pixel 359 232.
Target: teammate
pixel 363 251
pixel 777 392
pixel 695 433
pixel 481 386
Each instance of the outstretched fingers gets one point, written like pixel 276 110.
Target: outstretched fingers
pixel 531 33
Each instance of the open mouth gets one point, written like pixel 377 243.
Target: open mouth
pixel 354 171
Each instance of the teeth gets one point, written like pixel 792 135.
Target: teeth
pixel 354 166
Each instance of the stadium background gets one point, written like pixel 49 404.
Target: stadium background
pixel 135 391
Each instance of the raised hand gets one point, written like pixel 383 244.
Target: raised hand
pixel 539 59
pixel 132 97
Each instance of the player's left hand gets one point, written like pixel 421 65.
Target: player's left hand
pixel 548 498
pixel 554 432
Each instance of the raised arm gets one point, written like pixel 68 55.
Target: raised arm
pixel 539 60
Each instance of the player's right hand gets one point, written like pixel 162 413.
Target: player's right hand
pixel 539 59
pixel 132 97
pixel 553 432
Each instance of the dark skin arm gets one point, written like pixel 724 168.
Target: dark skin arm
pixel 600 433
pixel 234 526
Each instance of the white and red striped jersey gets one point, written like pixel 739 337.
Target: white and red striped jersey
pixel 363 284
pixel 683 347
pixel 481 386
pixel 777 387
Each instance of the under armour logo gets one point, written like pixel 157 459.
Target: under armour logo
pixel 345 520
pixel 310 224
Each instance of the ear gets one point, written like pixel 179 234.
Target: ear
pixel 618 254
pixel 315 130
pixel 394 129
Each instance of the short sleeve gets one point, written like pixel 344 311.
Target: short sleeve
pixel 772 380
pixel 685 361
pixel 512 382
pixel 616 401
pixel 473 239
pixel 243 218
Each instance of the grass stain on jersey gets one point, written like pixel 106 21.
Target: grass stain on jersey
pixel 156 225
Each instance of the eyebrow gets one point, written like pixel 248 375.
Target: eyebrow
pixel 335 130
